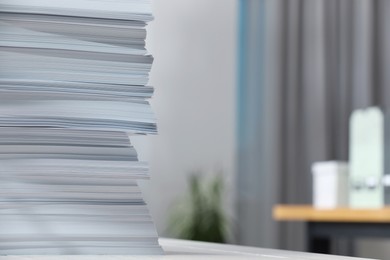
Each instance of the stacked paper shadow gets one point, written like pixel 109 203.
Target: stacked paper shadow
pixel 72 87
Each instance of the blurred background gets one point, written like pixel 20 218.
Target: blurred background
pixel 249 94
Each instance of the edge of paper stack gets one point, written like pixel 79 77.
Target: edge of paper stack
pixel 73 86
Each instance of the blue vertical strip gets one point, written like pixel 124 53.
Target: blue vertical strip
pixel 241 69
pixel 251 175
pixel 251 50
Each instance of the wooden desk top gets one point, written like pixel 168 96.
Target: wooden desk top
pixel 308 213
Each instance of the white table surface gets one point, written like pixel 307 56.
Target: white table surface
pixel 181 249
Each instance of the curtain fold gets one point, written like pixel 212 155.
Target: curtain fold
pixel 319 60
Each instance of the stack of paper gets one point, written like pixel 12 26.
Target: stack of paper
pixel 73 78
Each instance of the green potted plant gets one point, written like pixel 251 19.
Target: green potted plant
pixel 200 216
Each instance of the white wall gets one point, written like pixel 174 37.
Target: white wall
pixel 194 45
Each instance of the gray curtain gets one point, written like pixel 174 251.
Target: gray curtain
pixel 304 65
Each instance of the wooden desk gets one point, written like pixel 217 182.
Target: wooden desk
pixel 323 225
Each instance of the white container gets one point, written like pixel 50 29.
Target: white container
pixel 330 184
